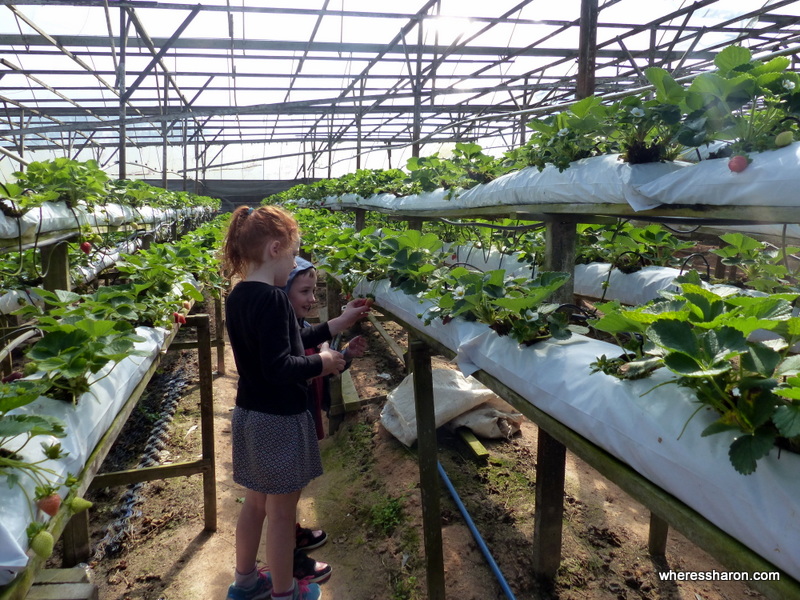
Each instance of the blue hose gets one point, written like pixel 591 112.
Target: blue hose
pixel 476 534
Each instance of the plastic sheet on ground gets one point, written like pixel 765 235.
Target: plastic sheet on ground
pixel 453 395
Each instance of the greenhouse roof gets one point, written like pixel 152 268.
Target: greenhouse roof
pixel 324 81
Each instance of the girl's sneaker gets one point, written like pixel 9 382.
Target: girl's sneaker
pixel 303 590
pixel 262 590
pixel 313 571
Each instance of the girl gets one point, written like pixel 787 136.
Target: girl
pixel 275 450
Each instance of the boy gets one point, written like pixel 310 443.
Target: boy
pixel 300 288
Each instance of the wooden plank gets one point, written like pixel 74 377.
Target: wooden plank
pixel 428 469
pixel 140 475
pixel 64 591
pixel 63 584
pixel 393 345
pixel 473 443
pixel 349 392
pixel 70 575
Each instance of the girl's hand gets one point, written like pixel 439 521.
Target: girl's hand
pixel 356 348
pixel 333 362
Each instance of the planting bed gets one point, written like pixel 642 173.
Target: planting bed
pixel 605 544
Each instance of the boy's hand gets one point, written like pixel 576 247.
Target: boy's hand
pixel 353 312
pixel 333 362
pixel 356 348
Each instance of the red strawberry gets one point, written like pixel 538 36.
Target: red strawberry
pixel 49 504
pixel 86 247
pixel 12 377
pixel 738 163
pixel 179 318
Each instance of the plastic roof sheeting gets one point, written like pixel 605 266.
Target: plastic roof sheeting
pixel 300 88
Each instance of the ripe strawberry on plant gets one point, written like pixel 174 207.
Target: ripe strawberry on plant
pixel 86 247
pixel 47 499
pixel 738 163
pixel 179 318
pixel 13 376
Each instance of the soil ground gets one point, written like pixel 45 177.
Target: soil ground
pixel 368 502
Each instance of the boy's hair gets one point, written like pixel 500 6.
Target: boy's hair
pixel 303 267
pixel 249 231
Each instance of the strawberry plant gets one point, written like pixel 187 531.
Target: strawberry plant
pixel 72 181
pixel 704 339
pixel 513 306
pixel 75 347
pixel 745 102
pixel 17 431
pixel 578 132
pixel 645 130
pixel 761 267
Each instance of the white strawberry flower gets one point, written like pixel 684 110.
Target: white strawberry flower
pixel 788 84
pixel 637 112
pixel 562 132
pixel 459 292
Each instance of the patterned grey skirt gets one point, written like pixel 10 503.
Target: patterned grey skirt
pixel 274 454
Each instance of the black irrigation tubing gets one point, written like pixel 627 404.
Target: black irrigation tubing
pixel 697 255
pixel 119 531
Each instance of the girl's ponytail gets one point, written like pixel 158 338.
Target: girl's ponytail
pixel 249 231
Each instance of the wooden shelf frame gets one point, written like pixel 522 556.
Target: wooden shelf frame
pixel 74 529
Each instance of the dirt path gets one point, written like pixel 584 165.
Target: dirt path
pixel 368 501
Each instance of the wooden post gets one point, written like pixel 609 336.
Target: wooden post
pixel 560 238
pixel 428 471
pixel 55 260
pixel 203 325
pixel 75 540
pixel 657 539
pixel 548 507
pixel 219 320
pixel 334 307
pixel 360 218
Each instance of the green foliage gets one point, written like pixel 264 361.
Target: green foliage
pixel 75 347
pixel 762 268
pixel 704 339
pixel 386 515
pixel 513 306
pixel 66 180
pixel 578 132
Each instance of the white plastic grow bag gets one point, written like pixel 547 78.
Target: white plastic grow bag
pixel 760 510
pixel 772 179
pixel 596 180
